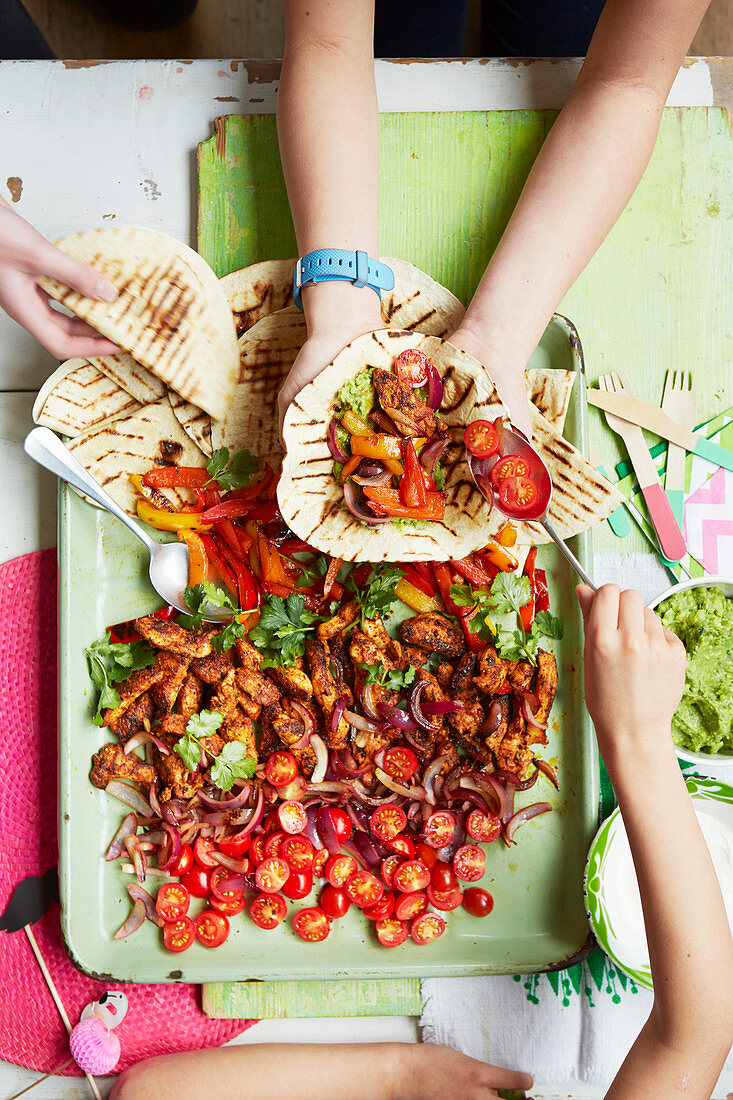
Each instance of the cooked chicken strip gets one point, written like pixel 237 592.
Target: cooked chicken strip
pixel 240 728
pixel 546 684
pixel 138 682
pixel 112 763
pixel 165 693
pixel 278 723
pixel 258 686
pixel 167 635
pixel 248 654
pixel 493 671
pixel 396 395
pixel 177 781
pixel 292 681
pixel 190 697
pixel 212 669
pixel 433 632
pixel 136 718
pixel 344 617
pixel 326 691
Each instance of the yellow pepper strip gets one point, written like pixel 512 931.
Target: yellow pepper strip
pixel 414 598
pixel 153 496
pixel 500 557
pixel 394 466
pixel 170 521
pixel 249 619
pixel 198 562
pixel 354 424
pixel 507 534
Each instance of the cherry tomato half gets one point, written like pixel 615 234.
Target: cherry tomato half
pixel 257 850
pixel 426 854
pixel 409 906
pixel 292 816
pixel 410 876
pixel 179 935
pixel 272 874
pixel 481 438
pixel 198 881
pixel 469 863
pixel 402 845
pixel 299 885
pixel 172 902
pixel 387 822
pixel 339 870
pixel 391 932
pixel 443 877
pixel 334 902
pixel 297 851
pixel 427 927
pixel 223 884
pixel 411 367
pixel 400 762
pixel 235 846
pixel 341 822
pixel 518 494
pixel 439 829
pixel 311 924
pixel 268 910
pixel 478 902
pixel 281 768
pixel 388 868
pixel 321 857
pixel 509 466
pixel 230 906
pixel 364 889
pixel 483 827
pixel 444 899
pixel 212 928
pixel 202 849
pixel 381 909
pixel 184 863
pixel 273 842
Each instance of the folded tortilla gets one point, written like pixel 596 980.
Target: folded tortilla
pixel 77 398
pixel 131 376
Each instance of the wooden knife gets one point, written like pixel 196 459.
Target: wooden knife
pixel 654 420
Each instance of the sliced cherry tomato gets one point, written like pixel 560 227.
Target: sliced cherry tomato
pixel 173 901
pixel 400 762
pixel 202 849
pixel 271 823
pixel 387 822
pixel 184 863
pixel 298 885
pixel 411 367
pixel 439 829
pixel 402 845
pixel 427 854
pixel 469 863
pixel 410 876
pixel 257 850
pixel 443 877
pixel 339 870
pixel 341 822
pixel 518 494
pixel 220 884
pixel 427 927
pixel 509 466
pixel 334 902
pixel 198 881
pixel 391 932
pixel 179 934
pixel 483 827
pixel 268 910
pixel 231 906
pixel 321 857
pixel 274 842
pixel 311 924
pixel 235 846
pixel 272 874
pixel 388 868
pixel 293 817
pixel 297 851
pixel 381 909
pixel 364 889
pixel 281 768
pixel 212 928
pixel 478 902
pixel 409 906
pixel 481 438
pixel 444 899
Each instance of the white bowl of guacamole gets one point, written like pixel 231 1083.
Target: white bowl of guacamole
pixel 700 613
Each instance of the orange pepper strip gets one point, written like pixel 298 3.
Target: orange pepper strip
pixel 198 562
pixel 507 534
pixel 349 467
pixel 331 575
pixel 389 500
pixel 272 566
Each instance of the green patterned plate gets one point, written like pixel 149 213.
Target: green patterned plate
pixel 606 860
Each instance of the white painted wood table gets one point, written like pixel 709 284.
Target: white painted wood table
pixel 84 145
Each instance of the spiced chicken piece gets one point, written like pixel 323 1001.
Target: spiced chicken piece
pixel 278 723
pixel 174 638
pixel 433 632
pixel 136 718
pixel 176 780
pixel 141 680
pixel 546 684
pixel 248 654
pixel 258 686
pixel 112 763
pixel 493 671
pixel 292 681
pixel 521 676
pixel 212 669
pixel 326 691
pixel 344 617
pixel 165 692
pixel 413 416
pixel 190 697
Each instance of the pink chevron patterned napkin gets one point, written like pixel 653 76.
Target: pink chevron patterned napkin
pixel 708 525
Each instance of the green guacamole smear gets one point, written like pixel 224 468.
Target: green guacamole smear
pixel 702 618
pixel 358 393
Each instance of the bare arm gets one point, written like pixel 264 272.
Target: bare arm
pixel 586 171
pixel 329 142
pixel 629 656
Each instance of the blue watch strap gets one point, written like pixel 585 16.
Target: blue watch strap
pixel 338 264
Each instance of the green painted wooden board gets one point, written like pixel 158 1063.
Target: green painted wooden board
pixel 275 1000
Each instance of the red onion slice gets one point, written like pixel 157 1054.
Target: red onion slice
pixel 431 452
pixel 337 786
pixel 338 711
pixel 308 720
pixel 117 846
pixel 137 893
pixel 413 793
pixel 497 794
pixel 368 701
pixel 256 817
pixel 173 848
pixel 234 803
pixel 396 717
pixel 530 704
pixel 386 423
pixel 145 738
pixel 239 866
pixel 327 830
pixel 135 920
pixel 519 819
pixel 360 723
pixel 130 796
pixel 441 706
pixel 220 887
pixel 507 777
pixel 415 704
pixel 429 776
pixel 319 748
pixel 331 439
pixel 352 503
pixel 548 770
pixel 435 388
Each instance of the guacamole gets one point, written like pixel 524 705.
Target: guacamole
pixel 703 619
pixel 358 393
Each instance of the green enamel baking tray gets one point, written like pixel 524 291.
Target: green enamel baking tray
pixel 539 920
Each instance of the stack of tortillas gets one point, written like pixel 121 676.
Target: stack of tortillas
pixel 152 404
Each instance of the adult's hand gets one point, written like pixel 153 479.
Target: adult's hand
pixel 25 256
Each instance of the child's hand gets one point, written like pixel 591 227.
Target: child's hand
pixel 508 380
pixel 634 672
pixel 24 257
pixel 439 1073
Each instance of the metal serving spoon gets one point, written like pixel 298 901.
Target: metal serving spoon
pixel 168 561
pixel 514 442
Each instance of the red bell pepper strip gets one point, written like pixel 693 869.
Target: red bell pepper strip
pixel 444 580
pixel 486 564
pixel 238 541
pixel 472 571
pixel 228 509
pixel 219 563
pixel 256 489
pixel 417 580
pixel 296 546
pixel 348 468
pixel 541 591
pixel 412 486
pixel 360 574
pixel 526 613
pixel 280 590
pixel 245 581
pixel 169 477
pixel 331 575
pixel 272 566
pixel 389 500
pixel 474 643
pixel 265 511
pixel 423 568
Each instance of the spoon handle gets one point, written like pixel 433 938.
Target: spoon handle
pixel 45 448
pixel 568 554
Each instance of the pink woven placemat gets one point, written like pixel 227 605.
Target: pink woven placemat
pixel 162 1018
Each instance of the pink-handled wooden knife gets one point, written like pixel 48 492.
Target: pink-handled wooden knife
pixel 671 540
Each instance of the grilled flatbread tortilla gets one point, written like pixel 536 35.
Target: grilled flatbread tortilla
pixel 549 391
pixel 258 290
pixel 152 437
pixel 311 500
pixel 195 422
pixel 78 397
pixel 131 376
pixel 171 315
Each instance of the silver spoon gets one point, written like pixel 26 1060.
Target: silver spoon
pixel 168 561
pixel 514 442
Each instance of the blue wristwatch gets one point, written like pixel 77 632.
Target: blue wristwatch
pixel 329 264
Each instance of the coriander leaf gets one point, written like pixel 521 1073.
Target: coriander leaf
pixel 189 750
pixel 510 592
pixel 232 763
pixel 281 632
pixel 200 596
pixel 546 625
pixel 377 596
pixel 394 679
pixel 204 724
pixel 228 636
pixel 110 662
pixel 464 595
pixel 231 473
